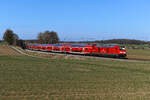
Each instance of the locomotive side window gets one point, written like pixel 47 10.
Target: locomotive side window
pixel 116 49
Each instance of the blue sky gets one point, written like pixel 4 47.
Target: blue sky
pixel 77 19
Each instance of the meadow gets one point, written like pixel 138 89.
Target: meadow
pixel 28 78
pixel 139 53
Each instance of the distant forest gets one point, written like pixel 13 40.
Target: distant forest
pixel 113 41
pixel 51 37
pixel 123 41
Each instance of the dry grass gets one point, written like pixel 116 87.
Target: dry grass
pixel 7 51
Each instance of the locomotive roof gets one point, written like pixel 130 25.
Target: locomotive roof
pixel 43 44
pixel 111 46
pixel 56 45
pixel 78 45
pixel 84 45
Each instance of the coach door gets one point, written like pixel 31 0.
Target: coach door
pixel 107 50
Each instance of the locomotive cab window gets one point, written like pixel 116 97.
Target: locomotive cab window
pixel 122 48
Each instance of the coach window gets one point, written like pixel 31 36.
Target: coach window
pixel 67 48
pixel 99 49
pixel 86 49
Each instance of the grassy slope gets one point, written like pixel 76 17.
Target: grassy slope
pixel 57 79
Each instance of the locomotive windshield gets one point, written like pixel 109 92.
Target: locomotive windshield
pixel 122 48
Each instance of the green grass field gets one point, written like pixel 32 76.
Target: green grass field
pixel 26 78
pixel 139 53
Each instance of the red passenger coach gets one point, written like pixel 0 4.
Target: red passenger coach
pixel 81 48
pixel 57 47
pixel 32 46
pixel 99 50
pixel 49 47
pixel 66 48
pixel 110 50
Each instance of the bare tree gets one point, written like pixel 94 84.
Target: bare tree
pixel 10 37
pixel 48 37
pixel 40 38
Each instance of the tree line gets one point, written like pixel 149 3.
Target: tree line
pixel 47 37
pixel 123 41
pixel 51 37
pixel 113 41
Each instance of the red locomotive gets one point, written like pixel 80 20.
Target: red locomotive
pixel 100 50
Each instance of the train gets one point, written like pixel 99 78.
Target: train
pixel 83 49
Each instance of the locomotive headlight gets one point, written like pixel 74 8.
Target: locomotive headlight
pixel 122 52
